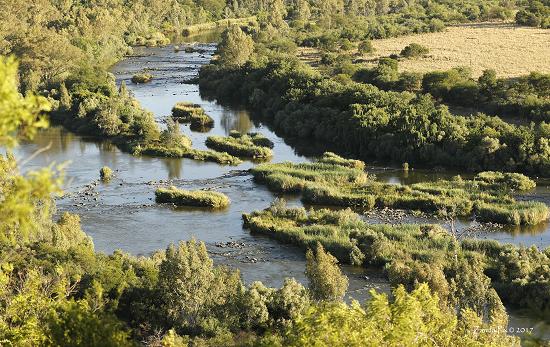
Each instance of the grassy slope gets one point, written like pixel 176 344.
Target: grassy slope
pixel 509 49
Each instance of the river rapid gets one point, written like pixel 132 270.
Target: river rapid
pixel 122 214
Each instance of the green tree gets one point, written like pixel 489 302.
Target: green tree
pixel 235 48
pixel 365 47
pixel 326 281
pixel 65 100
pixel 410 319
pixel 20 117
pixel 193 291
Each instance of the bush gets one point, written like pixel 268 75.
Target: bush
pixel 186 112
pixel 198 198
pixel 365 47
pixel 142 78
pixel 105 173
pixel 414 50
pixel 256 138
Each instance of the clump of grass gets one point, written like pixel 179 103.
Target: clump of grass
pixel 187 112
pixel 332 158
pixel 105 173
pixel 242 146
pixel 289 177
pixel 158 149
pixel 256 138
pixel 518 213
pixel 198 198
pixel 511 181
pixel 142 77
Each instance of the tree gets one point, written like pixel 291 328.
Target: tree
pixel 19 116
pixel 235 48
pixel 414 50
pixel 276 10
pixel 410 319
pixel 65 100
pixel 193 291
pixel 303 10
pixel 326 281
pixel 365 47
pixel 25 201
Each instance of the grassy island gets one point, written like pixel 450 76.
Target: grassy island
pixel 198 198
pixel 142 78
pixel 247 146
pixel 187 112
pixel 336 181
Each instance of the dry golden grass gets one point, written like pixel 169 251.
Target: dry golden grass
pixel 509 49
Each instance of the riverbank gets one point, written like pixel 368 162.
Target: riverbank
pixel 197 29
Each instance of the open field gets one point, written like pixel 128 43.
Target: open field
pixel 509 49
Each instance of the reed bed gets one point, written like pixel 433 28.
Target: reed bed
pixel 197 198
pixel 242 146
pixel 335 181
pixel 187 112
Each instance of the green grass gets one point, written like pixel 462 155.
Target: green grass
pixel 256 138
pixel 187 152
pixel 142 78
pixel 187 112
pixel 197 198
pixel 333 158
pixel 411 253
pixel 241 146
pixel 335 181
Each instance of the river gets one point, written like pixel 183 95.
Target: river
pixel 122 214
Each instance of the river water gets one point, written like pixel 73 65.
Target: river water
pixel 122 214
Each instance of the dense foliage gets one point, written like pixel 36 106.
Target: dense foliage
pixel 367 122
pixel 535 14
pixel 465 273
pixel 526 97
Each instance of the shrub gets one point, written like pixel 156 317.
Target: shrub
pixel 500 180
pixel 187 112
pixel 105 173
pixel 256 138
pixel 199 198
pixel 365 47
pixel 414 50
pixel 142 78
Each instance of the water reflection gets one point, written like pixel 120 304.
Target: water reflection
pixel 238 120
